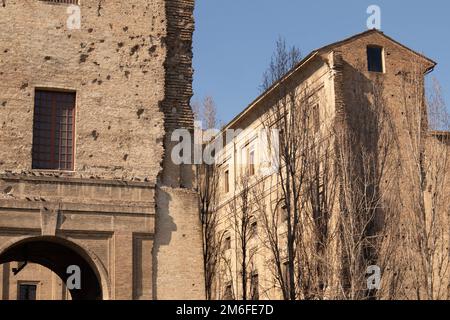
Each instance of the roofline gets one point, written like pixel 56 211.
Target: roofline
pixel 270 89
pixel 308 58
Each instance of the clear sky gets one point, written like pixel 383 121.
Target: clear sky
pixel 234 39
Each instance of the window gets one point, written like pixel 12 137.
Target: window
pixel 254 286
pixel 253 229
pixel 53 130
pixel 228 291
pixel 375 59
pixel 316 118
pixel 284 214
pixel 27 291
pixel 62 1
pixel 227 241
pixel 251 162
pixel 226 181
pixel 285 273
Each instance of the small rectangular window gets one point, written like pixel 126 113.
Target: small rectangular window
pixel 27 291
pixel 284 215
pixel 254 286
pixel 226 181
pixel 53 130
pixel 285 273
pixel 253 229
pixel 227 242
pixel 375 59
pixel 251 163
pixel 228 292
pixel 316 118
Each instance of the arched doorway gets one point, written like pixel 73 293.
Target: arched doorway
pixel 58 255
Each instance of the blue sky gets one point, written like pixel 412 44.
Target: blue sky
pixel 234 40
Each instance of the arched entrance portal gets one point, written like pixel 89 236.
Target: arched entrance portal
pixel 58 255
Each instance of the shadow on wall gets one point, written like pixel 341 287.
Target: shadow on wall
pixel 366 145
pixel 165 225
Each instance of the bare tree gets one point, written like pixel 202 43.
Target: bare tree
pixel 208 184
pixel 316 257
pixel 424 157
pixel 293 113
pixel 240 211
pixel 368 176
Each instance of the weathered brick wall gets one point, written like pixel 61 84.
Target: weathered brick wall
pixel 178 89
pixel 131 67
pixel 177 250
pixel 115 62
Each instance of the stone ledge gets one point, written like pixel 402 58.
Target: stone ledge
pixel 131 209
pixel 79 181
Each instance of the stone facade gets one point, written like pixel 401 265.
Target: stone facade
pixel 122 211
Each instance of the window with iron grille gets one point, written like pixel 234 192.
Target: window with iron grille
pixel 53 131
pixel 62 1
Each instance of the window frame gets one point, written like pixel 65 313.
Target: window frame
pixel 21 284
pixel 227 241
pixel 251 159
pixel 382 59
pixel 226 180
pixel 62 2
pixel 55 163
pixel 254 286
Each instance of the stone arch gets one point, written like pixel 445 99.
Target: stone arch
pixel 57 254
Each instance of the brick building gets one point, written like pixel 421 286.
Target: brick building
pixel 85 174
pixel 342 89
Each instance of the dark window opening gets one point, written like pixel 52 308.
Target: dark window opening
pixel 316 118
pixel 62 1
pixel 253 229
pixel 286 278
pixel 227 181
pixel 228 292
pixel 254 287
pixel 227 242
pixel 375 59
pixel 53 130
pixel 27 291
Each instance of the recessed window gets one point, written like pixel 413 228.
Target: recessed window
pixel 251 162
pixel 227 241
pixel 27 291
pixel 375 59
pixel 228 291
pixel 285 273
pixel 226 181
pixel 253 229
pixel 316 118
pixel 254 286
pixel 61 1
pixel 53 130
pixel 284 214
